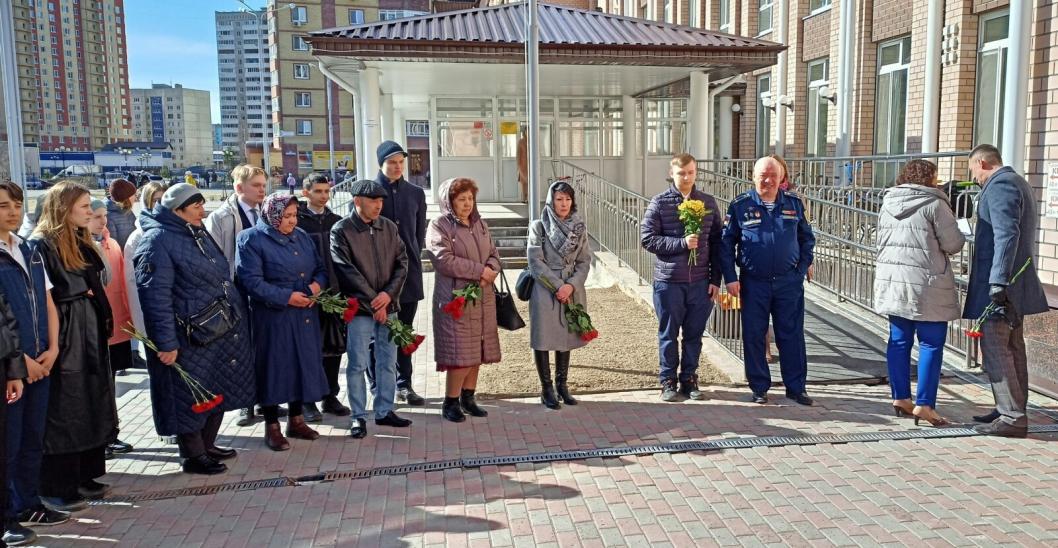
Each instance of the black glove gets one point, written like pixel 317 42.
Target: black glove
pixel 998 294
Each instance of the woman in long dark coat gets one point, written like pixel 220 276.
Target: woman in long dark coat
pixel 82 415
pixel 279 267
pixel 180 272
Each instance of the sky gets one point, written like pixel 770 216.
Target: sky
pixel 176 43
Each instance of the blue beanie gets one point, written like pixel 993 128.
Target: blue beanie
pixel 387 149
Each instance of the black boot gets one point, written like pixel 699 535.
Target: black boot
pixel 450 410
pixel 543 369
pixel 470 405
pixel 561 373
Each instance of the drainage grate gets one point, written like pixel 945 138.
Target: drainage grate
pixel 558 456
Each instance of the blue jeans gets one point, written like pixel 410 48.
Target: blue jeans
pixel 362 332
pixel 25 443
pixel 931 337
pixel 783 300
pixel 681 307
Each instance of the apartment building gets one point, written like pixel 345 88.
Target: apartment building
pixel 178 116
pixel 73 73
pixel 300 91
pixel 245 80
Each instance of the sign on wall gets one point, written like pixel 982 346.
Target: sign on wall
pixel 1050 191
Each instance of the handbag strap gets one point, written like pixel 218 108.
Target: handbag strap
pixel 504 286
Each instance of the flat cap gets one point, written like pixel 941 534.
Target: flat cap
pixel 368 189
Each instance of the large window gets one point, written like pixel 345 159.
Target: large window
pixel 666 126
pixel 299 15
pixel 463 127
pixel 304 127
pixel 356 17
pixel 695 7
pixel 301 71
pixel 579 128
pixel 764 16
pixel 669 11
pixel 818 107
pixel 303 99
pixel 763 115
pixel 818 5
pixel 725 15
pixel 890 106
pixel 992 56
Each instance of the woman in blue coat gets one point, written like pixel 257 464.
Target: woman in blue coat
pixel 181 277
pixel 279 267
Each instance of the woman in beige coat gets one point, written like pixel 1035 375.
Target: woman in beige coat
pixel 462 253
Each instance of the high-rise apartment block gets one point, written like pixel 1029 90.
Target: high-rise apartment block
pixel 178 116
pixel 73 72
pixel 245 81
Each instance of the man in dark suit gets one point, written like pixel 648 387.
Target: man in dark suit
pixel 1004 240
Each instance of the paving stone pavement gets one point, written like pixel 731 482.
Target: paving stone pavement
pixel 948 491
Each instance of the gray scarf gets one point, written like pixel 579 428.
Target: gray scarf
pixel 564 234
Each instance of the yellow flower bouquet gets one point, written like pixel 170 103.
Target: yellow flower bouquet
pixel 692 213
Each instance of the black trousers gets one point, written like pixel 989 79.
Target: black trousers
pixel 271 412
pixel 331 365
pixel 194 444
pixel 62 474
pixel 406 314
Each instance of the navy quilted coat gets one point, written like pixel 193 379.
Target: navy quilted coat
pixel 662 234
pixel 180 270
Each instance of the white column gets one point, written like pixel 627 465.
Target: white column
pixel 847 48
pixel 931 99
pixel 386 118
pixel 780 90
pixel 12 103
pixel 699 123
pixel 727 118
pixel 398 128
pixel 370 121
pixel 628 140
pixel 1016 86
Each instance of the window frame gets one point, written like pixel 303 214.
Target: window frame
pixel 768 5
pixel 725 21
pixel 297 40
pixel 818 6
pixel 1002 49
pixel 762 140
pixel 301 123
pixel 884 173
pixel 299 10
pixel 307 71
pixel 360 13
pixel 812 113
pixel 302 104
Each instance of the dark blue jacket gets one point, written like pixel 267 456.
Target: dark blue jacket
pixel 766 245
pixel 27 296
pixel 661 233
pixel 1004 238
pixel 406 206
pixel 180 271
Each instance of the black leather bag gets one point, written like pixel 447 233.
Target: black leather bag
pixel 523 286
pixel 210 323
pixel 507 315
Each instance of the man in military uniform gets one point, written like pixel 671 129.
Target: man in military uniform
pixel 767 235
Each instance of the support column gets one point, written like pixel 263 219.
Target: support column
pixel 1016 86
pixel 398 134
pixel 386 118
pixel 12 102
pixel 699 121
pixel 931 93
pixel 370 122
pixel 845 77
pixel 726 118
pixel 780 89
pixel 628 139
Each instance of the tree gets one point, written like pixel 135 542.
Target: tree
pixel 229 158
pixel 164 172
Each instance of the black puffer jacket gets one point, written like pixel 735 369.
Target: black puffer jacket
pixel 11 363
pixel 662 234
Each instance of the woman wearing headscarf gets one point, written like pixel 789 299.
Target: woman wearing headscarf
pixel 462 253
pixel 280 268
pixel 149 196
pixel 560 257
pixel 82 416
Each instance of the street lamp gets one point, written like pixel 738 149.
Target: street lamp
pixel 124 152
pixel 145 160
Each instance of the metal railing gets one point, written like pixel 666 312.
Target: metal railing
pixel 342 198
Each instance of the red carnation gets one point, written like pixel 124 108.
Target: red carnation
pixel 973 334
pixel 351 310
pixel 454 307
pixel 589 336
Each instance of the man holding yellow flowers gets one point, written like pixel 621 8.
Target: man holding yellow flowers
pixel 682 227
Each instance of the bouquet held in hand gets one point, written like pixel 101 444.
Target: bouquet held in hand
pixel 692 213
pixel 204 399
pixel 469 295
pixel 577 319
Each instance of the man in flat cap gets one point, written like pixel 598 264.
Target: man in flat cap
pixel 371 265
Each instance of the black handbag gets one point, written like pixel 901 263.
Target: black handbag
pixel 523 286
pixel 507 315
pixel 210 323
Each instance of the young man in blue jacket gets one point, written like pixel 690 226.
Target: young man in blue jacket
pixel 25 285
pixel 683 292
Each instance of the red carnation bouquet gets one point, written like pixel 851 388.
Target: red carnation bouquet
pixel 333 303
pixel 469 295
pixel 402 335
pixel 975 331
pixel 204 399
pixel 577 319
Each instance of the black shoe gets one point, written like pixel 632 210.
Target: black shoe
pixel 108 453
pixel 987 419
pixel 470 405
pixel 669 392
pixel 120 373
pixel 689 388
pixel 801 398
pixel 42 516
pixel 138 362
pixel 119 446
pixel 333 406
pixel 205 465
pixel 246 417
pixel 62 504
pixel 221 453
pixel 561 378
pixel 391 419
pixel 359 428
pixel 451 411
pixel 92 490
pixel 543 371
pixel 17 535
pixel 408 396
pixel 759 398
pixel 311 413
pixel 1002 429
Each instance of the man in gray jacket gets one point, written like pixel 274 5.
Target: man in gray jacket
pixel 1004 240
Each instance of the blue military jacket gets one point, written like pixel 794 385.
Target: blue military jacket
pixel 766 245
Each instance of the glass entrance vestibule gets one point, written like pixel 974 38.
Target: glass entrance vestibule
pixel 483 137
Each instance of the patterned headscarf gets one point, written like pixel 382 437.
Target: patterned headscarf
pixel 272 211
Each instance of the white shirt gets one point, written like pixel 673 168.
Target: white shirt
pixel 246 208
pixel 11 248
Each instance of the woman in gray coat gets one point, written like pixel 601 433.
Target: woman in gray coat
pixel 914 284
pixel 559 257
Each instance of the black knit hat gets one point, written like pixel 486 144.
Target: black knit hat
pixel 387 149
pixel 368 189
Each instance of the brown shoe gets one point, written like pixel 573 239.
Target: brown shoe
pixel 296 428
pixel 274 438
